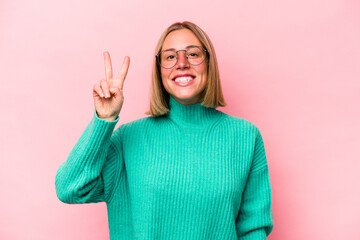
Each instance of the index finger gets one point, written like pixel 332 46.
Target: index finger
pixel 124 70
pixel 108 66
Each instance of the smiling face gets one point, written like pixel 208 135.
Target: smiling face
pixel 184 82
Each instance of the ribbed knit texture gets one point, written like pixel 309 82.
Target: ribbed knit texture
pixel 194 174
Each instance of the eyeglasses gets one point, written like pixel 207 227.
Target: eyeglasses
pixel 194 55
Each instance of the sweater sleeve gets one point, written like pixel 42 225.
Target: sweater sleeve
pixel 88 175
pixel 255 219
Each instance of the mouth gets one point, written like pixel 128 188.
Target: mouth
pixel 183 80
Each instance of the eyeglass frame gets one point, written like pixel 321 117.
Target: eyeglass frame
pixel 157 56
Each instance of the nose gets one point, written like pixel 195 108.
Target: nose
pixel 182 62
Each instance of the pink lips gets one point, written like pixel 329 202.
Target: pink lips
pixel 185 84
pixel 183 75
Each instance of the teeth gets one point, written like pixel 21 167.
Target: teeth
pixel 184 79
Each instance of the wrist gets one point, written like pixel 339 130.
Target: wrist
pixel 107 118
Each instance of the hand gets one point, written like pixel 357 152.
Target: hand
pixel 108 94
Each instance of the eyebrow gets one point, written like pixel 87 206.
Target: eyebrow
pixel 187 47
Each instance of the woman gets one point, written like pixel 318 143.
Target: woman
pixel 186 172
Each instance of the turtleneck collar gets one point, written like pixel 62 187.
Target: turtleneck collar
pixel 192 116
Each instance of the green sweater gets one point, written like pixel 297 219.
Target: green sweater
pixel 195 173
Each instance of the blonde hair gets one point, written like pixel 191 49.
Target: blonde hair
pixel 212 96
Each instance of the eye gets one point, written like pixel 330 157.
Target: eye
pixel 170 57
pixel 193 55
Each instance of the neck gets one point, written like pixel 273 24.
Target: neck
pixel 188 102
pixel 193 115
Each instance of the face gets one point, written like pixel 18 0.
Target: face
pixel 190 91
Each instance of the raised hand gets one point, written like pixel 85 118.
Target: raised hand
pixel 108 94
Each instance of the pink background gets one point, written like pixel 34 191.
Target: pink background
pixel 291 68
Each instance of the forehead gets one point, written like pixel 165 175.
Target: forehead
pixel 180 39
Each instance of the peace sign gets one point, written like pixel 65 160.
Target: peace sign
pixel 108 94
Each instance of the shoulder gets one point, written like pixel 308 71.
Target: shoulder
pixel 239 123
pixel 242 130
pixel 141 124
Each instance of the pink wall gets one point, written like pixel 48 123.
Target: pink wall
pixel 293 69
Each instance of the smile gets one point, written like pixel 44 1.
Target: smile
pixel 184 81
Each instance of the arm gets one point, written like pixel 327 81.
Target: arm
pixel 90 171
pixel 255 219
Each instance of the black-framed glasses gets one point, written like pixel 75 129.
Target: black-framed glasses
pixel 195 55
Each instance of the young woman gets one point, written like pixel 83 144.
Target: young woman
pixel 188 171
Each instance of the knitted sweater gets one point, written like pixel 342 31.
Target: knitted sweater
pixel 195 173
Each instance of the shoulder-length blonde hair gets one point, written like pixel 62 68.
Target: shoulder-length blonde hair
pixel 212 96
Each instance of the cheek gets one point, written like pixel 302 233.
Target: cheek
pixel 165 74
pixel 204 72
